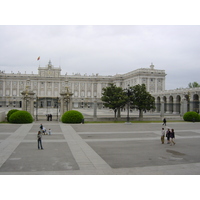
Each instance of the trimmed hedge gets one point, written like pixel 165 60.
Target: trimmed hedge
pixel 10 113
pixel 72 117
pixel 21 117
pixel 191 116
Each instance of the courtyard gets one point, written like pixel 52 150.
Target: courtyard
pixel 99 149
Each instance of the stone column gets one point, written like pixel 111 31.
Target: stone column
pixel 168 107
pixel 70 102
pixel 175 103
pixel 61 105
pixel 162 108
pixel 95 109
pixel 191 106
pixel 65 102
pixel 158 106
pixel 28 102
pixel 183 106
pixel 31 102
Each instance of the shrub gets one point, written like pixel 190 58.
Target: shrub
pixel 72 116
pixel 21 117
pixel 10 113
pixel 190 116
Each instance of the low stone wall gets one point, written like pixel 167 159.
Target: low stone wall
pixel 145 118
pixel 2 116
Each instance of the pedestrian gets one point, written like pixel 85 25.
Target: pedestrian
pixel 163 135
pixel 44 130
pixel 172 136
pixel 168 135
pixel 49 131
pixel 41 127
pixel 164 121
pixel 39 137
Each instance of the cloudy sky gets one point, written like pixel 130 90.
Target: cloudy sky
pixel 95 46
pixel 107 50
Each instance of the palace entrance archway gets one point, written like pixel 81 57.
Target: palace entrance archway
pixel 47 108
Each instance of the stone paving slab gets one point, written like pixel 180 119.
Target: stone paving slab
pixel 123 154
pixel 113 149
pixel 116 135
pixel 27 158
pixel 55 128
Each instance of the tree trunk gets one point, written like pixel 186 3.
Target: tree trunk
pixel 115 110
pixel 118 113
pixel 140 115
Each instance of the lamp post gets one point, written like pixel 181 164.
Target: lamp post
pixel 26 96
pixel 128 92
pixel 36 108
pixel 95 108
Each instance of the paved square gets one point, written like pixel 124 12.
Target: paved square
pixel 27 158
pixel 99 149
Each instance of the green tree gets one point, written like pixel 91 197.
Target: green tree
pixel 141 99
pixel 114 98
pixel 193 85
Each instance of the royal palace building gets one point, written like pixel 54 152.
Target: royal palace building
pixel 49 86
pixel 49 83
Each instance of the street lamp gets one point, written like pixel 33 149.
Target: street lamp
pixel 128 92
pixel 36 108
pixel 26 96
pixel 57 108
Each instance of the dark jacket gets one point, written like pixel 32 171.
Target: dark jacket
pixel 168 133
pixel 172 134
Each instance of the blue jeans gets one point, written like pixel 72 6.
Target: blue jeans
pixel 40 143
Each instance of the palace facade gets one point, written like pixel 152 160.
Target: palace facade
pixel 48 84
pixel 50 89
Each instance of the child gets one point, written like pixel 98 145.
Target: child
pixel 49 131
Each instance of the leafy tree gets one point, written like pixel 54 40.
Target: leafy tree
pixel 114 98
pixel 141 99
pixel 193 85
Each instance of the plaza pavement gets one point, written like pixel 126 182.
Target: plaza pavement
pixel 99 149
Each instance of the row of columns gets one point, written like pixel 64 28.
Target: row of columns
pixel 177 107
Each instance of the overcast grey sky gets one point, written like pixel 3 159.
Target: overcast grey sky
pixel 107 50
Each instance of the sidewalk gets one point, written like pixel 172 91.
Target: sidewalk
pixel 99 149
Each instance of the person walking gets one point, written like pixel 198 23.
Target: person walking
pixel 39 137
pixel 168 135
pixel 164 121
pixel 172 136
pixel 163 135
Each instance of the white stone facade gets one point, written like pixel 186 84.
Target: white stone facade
pixel 49 83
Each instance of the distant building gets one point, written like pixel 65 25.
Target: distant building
pixel 49 83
